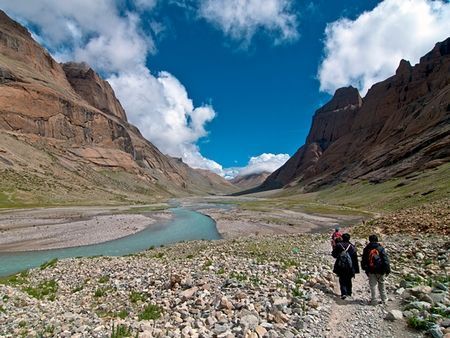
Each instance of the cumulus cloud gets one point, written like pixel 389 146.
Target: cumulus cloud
pixel 113 43
pixel 258 164
pixel 368 49
pixel 165 114
pixel 242 19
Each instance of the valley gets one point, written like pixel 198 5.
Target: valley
pixel 102 234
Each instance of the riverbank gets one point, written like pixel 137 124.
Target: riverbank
pixel 54 228
pixel 265 286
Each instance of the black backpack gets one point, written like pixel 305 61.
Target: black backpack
pixel 344 261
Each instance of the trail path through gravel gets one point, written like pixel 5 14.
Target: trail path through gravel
pixel 355 318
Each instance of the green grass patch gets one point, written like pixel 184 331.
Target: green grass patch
pixel 420 324
pixel 122 331
pixel 362 198
pixel 150 312
pixel 77 288
pixel 100 292
pixel 49 264
pixel 14 280
pixel 137 296
pixel 46 289
pixel 239 276
pixel 103 279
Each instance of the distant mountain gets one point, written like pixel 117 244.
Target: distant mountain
pixel 64 135
pixel 250 181
pixel 401 126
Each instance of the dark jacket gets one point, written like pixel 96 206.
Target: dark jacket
pixel 342 246
pixel 386 267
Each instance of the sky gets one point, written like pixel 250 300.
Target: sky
pixel 232 85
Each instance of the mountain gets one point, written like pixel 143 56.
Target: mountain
pixel 250 181
pixel 401 126
pixel 64 136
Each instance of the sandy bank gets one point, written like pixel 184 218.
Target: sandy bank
pixel 52 228
pixel 234 223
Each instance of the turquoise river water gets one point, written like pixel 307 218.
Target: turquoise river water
pixel 184 226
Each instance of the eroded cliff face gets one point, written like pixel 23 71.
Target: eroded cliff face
pixel 70 112
pixel 96 91
pixel 402 125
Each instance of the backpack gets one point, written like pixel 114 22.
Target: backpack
pixel 344 261
pixel 375 261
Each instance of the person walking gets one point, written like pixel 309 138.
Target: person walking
pixel 346 265
pixel 336 234
pixel 375 262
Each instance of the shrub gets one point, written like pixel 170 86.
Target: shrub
pixel 151 311
pixel 137 296
pixel 100 292
pixel 122 331
pixel 419 323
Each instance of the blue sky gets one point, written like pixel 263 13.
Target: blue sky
pixel 232 85
pixel 264 94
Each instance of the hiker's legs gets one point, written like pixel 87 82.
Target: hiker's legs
pixel 373 284
pixel 381 288
pixel 342 285
pixel 349 286
pixel 345 283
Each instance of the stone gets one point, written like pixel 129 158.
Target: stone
pixel 400 291
pixel 226 304
pixel 420 290
pixel 220 328
pixel 249 321
pixel 260 330
pixel 420 255
pixel 394 315
pixel 189 293
pixel 435 332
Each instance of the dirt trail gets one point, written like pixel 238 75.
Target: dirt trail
pixel 355 318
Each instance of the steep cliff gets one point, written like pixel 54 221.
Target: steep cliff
pixel 71 116
pixel 402 125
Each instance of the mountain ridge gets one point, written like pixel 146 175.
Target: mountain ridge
pixel 402 125
pixel 69 112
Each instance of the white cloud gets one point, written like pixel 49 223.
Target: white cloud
pixel 145 4
pixel 242 19
pixel 165 114
pixel 258 164
pixel 369 49
pixel 113 43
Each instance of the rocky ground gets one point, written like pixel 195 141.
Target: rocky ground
pixel 432 217
pixel 277 286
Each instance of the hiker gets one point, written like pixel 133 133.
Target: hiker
pixel 336 234
pixel 375 262
pixel 346 265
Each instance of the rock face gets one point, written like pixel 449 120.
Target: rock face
pixel 69 112
pixel 402 125
pixel 250 181
pixel 96 91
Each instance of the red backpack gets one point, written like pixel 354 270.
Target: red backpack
pixel 375 261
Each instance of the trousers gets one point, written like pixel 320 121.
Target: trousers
pixel 345 284
pixel 374 280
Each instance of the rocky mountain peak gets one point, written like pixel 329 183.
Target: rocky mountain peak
pixel 440 49
pixel 404 68
pixel 346 97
